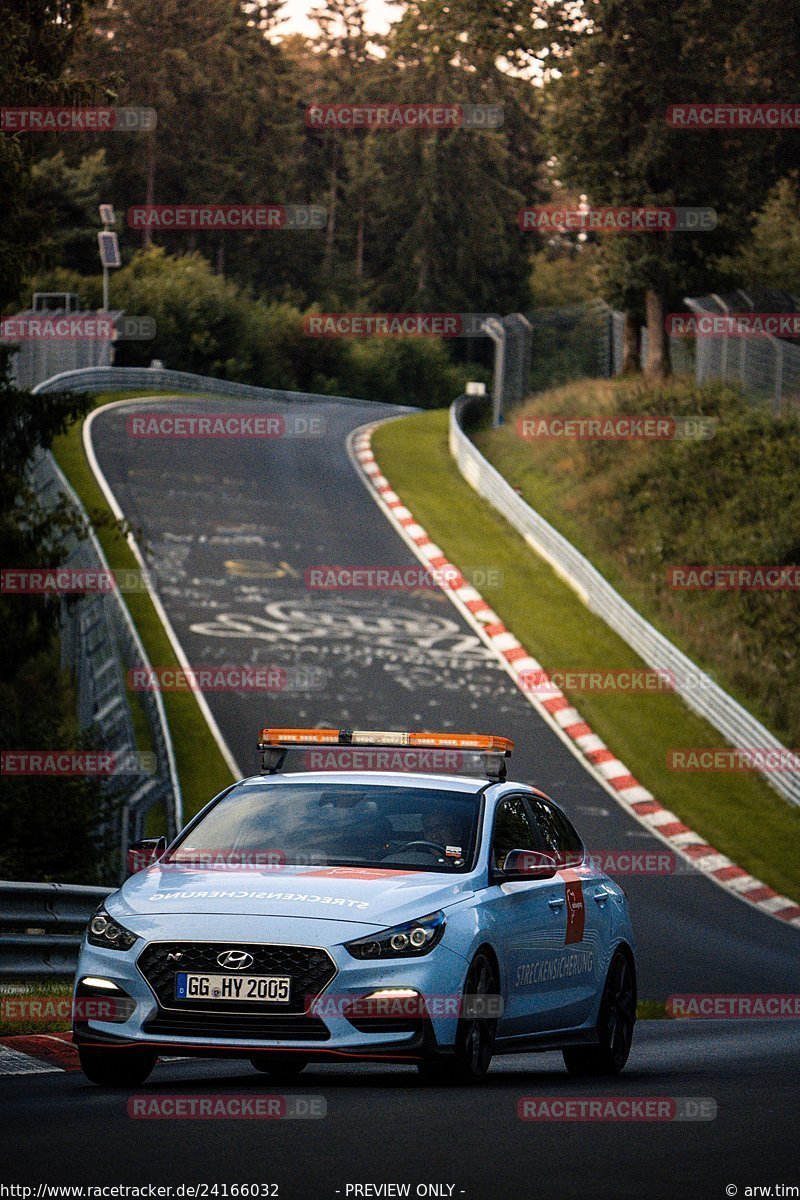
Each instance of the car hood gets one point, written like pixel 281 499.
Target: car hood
pixel 361 895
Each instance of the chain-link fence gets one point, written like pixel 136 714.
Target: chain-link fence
pixel 767 369
pixel 575 341
pixel 39 357
pixel 587 340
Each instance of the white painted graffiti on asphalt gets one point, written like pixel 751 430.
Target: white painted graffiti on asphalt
pixel 419 649
pixel 397 629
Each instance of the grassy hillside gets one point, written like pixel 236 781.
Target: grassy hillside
pixel 638 508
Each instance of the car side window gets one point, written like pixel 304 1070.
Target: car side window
pixel 557 833
pixel 512 830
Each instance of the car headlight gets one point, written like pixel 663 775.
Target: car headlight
pixel 401 941
pixel 106 932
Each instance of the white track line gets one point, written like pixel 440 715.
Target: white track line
pixel 180 654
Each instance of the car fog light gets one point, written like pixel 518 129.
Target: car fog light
pixel 94 981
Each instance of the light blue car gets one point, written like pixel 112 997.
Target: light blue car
pixel 422 918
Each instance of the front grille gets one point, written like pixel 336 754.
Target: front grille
pixel 256 1027
pixel 309 969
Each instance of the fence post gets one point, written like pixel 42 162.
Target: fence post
pixel 496 331
pixel 777 401
pixel 519 341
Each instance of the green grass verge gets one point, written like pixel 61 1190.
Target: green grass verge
pixel 201 768
pixel 740 815
pixel 651 1010
pixel 20 1013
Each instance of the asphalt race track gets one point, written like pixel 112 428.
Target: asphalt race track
pixel 231 527
pixel 382 1126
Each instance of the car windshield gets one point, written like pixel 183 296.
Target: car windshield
pixel 331 824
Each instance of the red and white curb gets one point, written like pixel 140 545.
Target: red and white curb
pixel 38 1054
pixel 556 709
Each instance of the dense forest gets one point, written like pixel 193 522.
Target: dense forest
pixel 418 219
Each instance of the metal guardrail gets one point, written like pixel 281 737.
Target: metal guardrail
pixel 697 689
pixel 99 642
pixel 41 927
pixel 125 379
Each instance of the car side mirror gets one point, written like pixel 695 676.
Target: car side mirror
pixel 144 853
pixel 527 865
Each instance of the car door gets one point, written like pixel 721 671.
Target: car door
pixel 578 963
pixel 529 920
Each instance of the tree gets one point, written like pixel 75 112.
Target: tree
pixel 445 219
pixel 224 108
pixel 47 823
pixel 342 65
pixel 611 68
pixel 35 46
pixel 771 255
pixel 66 199
pixel 607 117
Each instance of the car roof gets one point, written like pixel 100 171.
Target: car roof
pixel 453 783
pixel 460 783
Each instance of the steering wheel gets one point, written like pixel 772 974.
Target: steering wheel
pixel 433 847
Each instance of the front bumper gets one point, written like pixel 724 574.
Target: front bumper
pixel 319 1030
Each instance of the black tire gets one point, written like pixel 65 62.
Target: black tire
pixel 286 1065
pixel 614 1024
pixel 116 1068
pixel 475 1035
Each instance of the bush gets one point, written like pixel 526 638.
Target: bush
pixel 208 325
pixel 415 371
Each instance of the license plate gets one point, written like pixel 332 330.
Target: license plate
pixel 191 985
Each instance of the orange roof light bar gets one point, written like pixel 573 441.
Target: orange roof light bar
pixel 299 737
pixel 482 742
pixel 462 741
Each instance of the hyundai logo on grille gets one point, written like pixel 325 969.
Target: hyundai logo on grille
pixel 235 960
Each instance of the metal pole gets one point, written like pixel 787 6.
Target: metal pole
pixel 777 398
pixel 105 289
pixel 497 333
pixel 725 339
